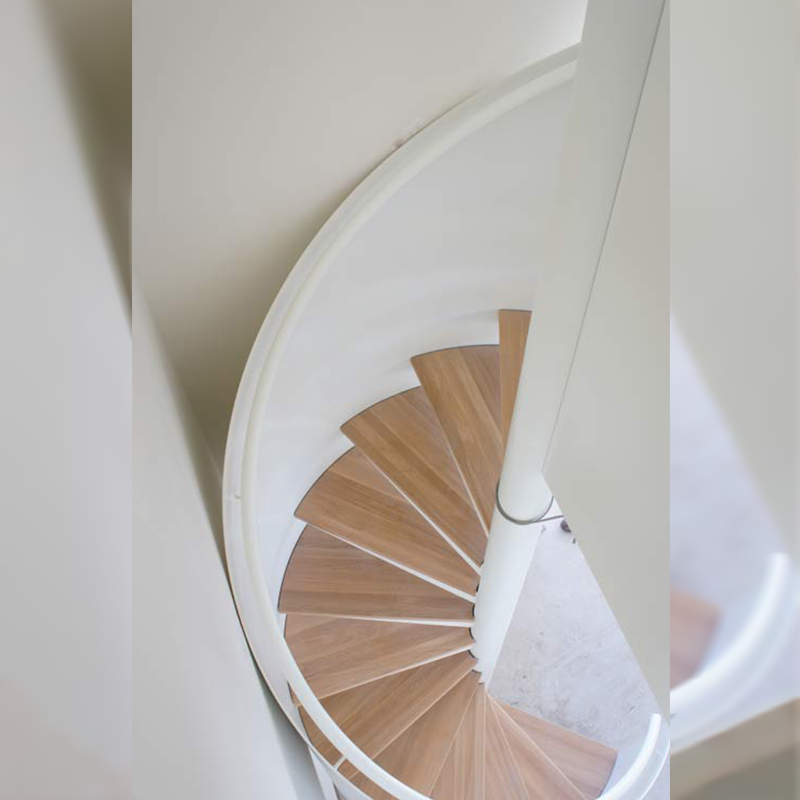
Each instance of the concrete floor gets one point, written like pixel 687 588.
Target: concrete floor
pixel 566 660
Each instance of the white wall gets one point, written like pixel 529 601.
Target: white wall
pixel 253 120
pixel 608 462
pixel 65 579
pixel 204 726
pixel 734 210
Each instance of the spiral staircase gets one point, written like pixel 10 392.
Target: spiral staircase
pixel 380 589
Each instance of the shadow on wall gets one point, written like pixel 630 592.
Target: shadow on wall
pixel 92 42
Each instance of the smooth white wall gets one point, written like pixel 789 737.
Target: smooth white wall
pixel 734 211
pixel 65 365
pixel 608 462
pixel 252 122
pixel 204 725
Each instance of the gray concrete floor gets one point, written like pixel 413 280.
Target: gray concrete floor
pixel 565 658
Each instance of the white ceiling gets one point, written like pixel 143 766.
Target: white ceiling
pixel 253 120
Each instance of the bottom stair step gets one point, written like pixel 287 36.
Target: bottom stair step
pixel 587 763
pixel 503 779
pixel 542 779
pixel 462 776
pixel 417 756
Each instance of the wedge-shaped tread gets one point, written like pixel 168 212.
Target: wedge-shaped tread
pixel 329 577
pixel 692 625
pixel 318 739
pixel 513 336
pixel 416 758
pixel 402 437
pixel 463 386
pixel 587 763
pixel 462 776
pixel 542 778
pixel 503 779
pixel 354 501
pixel 375 714
pixel 335 654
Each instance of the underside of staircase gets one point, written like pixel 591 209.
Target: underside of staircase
pixel 379 593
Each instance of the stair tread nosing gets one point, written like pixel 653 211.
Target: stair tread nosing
pixel 336 653
pixel 403 438
pixel 375 714
pixel 416 758
pixel 353 500
pixel 328 577
pixel 543 780
pixel 463 386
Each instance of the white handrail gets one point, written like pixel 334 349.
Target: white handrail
pixel 262 369
pixel 646 767
pixel 284 316
pixel 708 696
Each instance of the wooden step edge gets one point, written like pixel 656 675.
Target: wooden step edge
pixel 349 771
pixel 517 783
pixel 593 780
pixel 467 620
pixel 439 582
pixel 410 570
pixel 485 524
pixel 470 561
pixel 477 756
pixel 569 790
pixel 513 325
pixel 467 648
pixel 464 556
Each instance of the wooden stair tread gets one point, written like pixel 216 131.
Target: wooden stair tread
pixel 416 757
pixel 503 779
pixel 375 714
pixel 462 776
pixel 354 501
pixel 463 386
pixel 402 437
pixel 587 763
pixel 326 576
pixel 542 778
pixel 691 628
pixel 335 653
pixel 513 336
pixel 318 738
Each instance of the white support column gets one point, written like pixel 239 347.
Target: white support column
pixel 507 560
pixel 619 36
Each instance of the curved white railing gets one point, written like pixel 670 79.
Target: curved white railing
pixel 640 776
pixel 266 358
pixel 698 704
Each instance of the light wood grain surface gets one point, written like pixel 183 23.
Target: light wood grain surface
pixel 417 757
pixel 462 776
pixel 329 577
pixel 463 386
pixel 587 763
pixel 403 438
pixel 513 336
pixel 375 714
pixel 542 778
pixel 353 500
pixel 318 739
pixel 692 625
pixel 335 654
pixel 503 779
